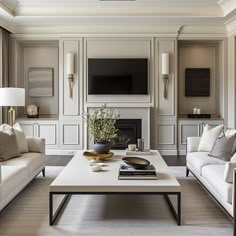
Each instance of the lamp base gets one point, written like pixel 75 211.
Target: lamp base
pixel 11 112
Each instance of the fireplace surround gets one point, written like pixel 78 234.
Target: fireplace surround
pixel 129 130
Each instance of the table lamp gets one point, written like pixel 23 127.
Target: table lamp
pixel 10 97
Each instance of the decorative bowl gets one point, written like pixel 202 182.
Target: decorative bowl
pixel 97 156
pixel 136 162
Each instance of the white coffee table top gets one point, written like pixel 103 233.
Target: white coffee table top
pixel 78 177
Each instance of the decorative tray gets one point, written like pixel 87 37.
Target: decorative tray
pixel 97 156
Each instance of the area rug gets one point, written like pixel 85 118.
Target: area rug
pixel 27 214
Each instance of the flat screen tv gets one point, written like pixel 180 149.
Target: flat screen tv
pixel 117 76
pixel 197 82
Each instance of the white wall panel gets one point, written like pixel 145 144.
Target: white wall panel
pixel 71 106
pixel 70 134
pixel 49 132
pixel 166 106
pixel 166 134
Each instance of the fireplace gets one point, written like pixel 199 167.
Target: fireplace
pixel 129 130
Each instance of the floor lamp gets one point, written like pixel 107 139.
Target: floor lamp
pixel 11 97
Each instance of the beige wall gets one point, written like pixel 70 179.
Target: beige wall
pixel 197 55
pixel 42 56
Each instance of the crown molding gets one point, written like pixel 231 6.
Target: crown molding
pixel 227 6
pixel 7 24
pixel 231 26
pixel 7 8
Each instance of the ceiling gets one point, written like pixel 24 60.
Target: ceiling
pixel 17 15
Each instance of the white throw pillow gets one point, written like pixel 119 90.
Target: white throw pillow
pixel 20 136
pixel 209 137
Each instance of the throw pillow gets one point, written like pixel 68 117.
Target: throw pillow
pixel 231 132
pixel 222 147
pixel 8 145
pixel 20 136
pixel 209 137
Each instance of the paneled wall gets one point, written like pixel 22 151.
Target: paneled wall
pixel 165 109
pixel 160 114
pixel 71 126
pixel 119 48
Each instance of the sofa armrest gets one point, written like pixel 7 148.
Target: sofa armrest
pixel 229 171
pixel 192 144
pixel 36 144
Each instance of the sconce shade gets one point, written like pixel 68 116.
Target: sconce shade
pixel 70 63
pixel 12 97
pixel 165 63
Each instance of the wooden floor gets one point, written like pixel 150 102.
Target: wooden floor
pixel 61 160
pixel 117 215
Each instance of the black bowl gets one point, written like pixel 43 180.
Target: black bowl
pixel 136 162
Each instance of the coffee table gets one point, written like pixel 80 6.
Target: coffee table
pixel 77 178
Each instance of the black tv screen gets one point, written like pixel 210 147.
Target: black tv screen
pixel 117 76
pixel 197 82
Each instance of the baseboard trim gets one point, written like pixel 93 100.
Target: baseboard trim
pixel 168 152
pixel 60 152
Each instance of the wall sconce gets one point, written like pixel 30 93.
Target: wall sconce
pixel 70 71
pixel 165 71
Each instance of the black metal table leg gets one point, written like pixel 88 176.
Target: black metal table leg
pixel 179 208
pixel 53 217
pixel 176 213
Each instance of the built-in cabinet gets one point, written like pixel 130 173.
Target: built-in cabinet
pixel 193 128
pixel 47 129
pixel 165 129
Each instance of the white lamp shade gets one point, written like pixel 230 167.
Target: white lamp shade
pixel 12 97
pixel 165 63
pixel 70 63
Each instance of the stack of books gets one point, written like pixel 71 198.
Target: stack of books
pixel 128 172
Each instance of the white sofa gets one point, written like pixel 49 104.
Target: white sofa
pixel 216 175
pixel 16 173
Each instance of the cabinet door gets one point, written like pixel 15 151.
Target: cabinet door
pixel 49 131
pixel 70 135
pixel 28 128
pixel 188 130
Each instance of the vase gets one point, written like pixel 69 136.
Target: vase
pixel 102 148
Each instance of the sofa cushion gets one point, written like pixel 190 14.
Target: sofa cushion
pixel 30 160
pixel 12 177
pixel 222 147
pixel 209 137
pixel 8 145
pixel 214 175
pixel 20 136
pixel 199 159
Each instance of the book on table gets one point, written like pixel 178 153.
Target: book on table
pixel 128 172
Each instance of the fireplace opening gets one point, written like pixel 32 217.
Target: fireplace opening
pixel 129 130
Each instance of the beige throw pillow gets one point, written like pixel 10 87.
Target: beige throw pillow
pixel 8 145
pixel 20 136
pixel 209 137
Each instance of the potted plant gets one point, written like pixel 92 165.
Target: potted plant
pixel 101 128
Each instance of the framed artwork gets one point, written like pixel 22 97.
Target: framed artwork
pixel 40 82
